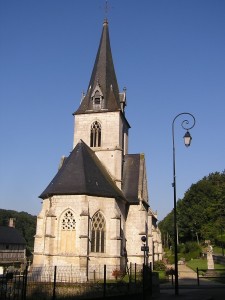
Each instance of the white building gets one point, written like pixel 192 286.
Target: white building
pixel 96 208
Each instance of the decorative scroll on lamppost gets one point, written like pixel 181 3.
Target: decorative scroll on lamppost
pixel 187 141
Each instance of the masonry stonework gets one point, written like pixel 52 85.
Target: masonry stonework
pixel 96 209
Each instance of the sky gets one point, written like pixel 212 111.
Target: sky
pixel 169 54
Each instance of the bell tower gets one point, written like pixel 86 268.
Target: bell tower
pixel 100 119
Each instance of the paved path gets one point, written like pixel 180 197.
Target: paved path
pixel 189 289
pixel 187 276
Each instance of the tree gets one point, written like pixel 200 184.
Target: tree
pixel 201 213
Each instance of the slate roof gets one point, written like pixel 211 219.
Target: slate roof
pixel 133 178
pixel 10 235
pixel 103 74
pixel 82 173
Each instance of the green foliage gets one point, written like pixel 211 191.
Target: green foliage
pixel 197 263
pixel 169 256
pixel 192 247
pixel 192 250
pixel 24 222
pixel 159 265
pixel 200 214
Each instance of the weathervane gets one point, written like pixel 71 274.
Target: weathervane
pixel 107 7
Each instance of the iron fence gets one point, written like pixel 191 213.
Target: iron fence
pixel 45 283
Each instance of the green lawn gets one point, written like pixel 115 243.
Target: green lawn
pixel 201 264
pixel 218 250
pixel 162 276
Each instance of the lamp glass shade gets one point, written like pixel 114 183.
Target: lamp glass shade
pixel 187 139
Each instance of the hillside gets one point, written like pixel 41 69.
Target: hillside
pixel 24 222
pixel 200 214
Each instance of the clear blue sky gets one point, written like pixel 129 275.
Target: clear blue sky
pixel 170 54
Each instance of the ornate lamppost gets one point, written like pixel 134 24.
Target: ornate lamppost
pixel 187 141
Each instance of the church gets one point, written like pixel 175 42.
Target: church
pixel 96 209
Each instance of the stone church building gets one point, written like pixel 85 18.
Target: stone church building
pixel 96 208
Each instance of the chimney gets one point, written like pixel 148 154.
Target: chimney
pixel 12 222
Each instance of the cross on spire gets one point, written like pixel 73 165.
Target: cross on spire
pixel 107 8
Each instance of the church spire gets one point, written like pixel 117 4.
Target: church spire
pixel 103 92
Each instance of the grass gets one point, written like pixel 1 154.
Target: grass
pixel 218 250
pixel 201 264
pixel 162 276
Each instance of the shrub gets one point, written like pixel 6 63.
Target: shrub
pixel 117 273
pixel 159 265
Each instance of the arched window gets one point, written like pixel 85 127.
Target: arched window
pixel 95 138
pixel 67 232
pixel 68 221
pixel 98 233
pixel 97 98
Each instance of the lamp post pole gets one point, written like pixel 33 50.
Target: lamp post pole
pixel 187 142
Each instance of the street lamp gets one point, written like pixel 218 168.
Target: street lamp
pixel 144 248
pixel 187 142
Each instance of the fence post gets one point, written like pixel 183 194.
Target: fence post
pixel 135 273
pixel 150 272
pixel 129 276
pixel 104 285
pixel 197 276
pixel 130 273
pixel 54 284
pixel 24 290
pixel 143 281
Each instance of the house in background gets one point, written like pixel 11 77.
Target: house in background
pixel 12 245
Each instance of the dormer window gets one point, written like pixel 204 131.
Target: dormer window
pixel 97 98
pixel 95 136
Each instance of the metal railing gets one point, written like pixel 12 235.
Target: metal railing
pixel 71 283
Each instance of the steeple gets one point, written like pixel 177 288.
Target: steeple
pixel 103 92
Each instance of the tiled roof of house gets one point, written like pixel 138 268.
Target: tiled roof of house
pixel 10 235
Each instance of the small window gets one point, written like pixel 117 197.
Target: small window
pixel 97 100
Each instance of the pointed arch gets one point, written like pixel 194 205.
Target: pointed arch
pixel 67 232
pixel 95 134
pixel 98 233
pixel 97 98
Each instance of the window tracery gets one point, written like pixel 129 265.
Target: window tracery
pixel 95 135
pixel 68 221
pixel 98 227
pixel 67 233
